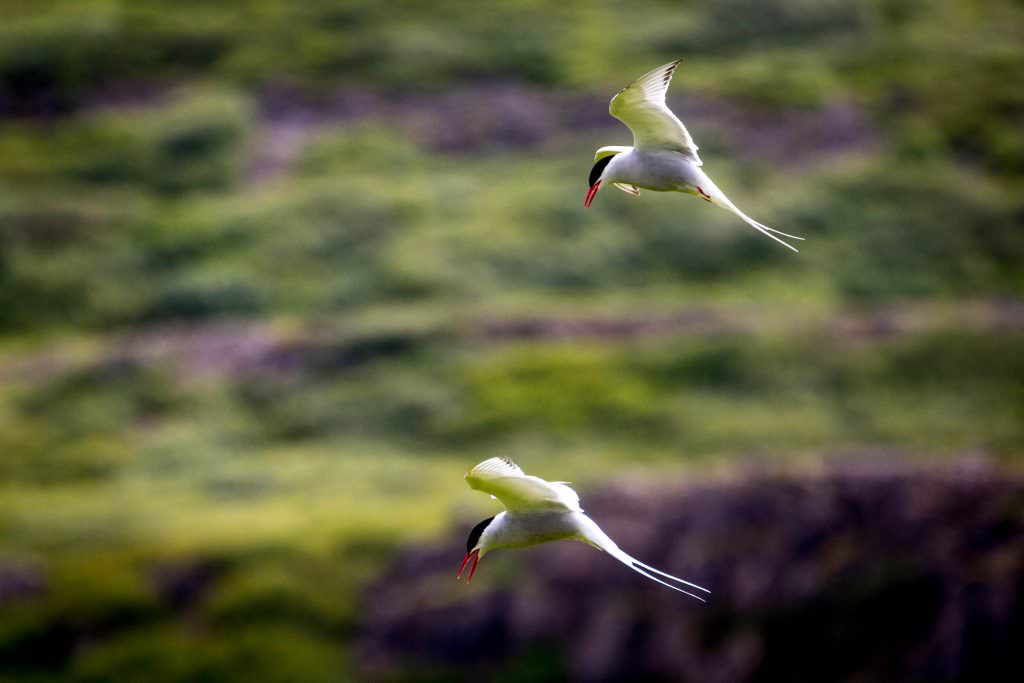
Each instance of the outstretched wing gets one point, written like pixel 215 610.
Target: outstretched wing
pixel 641 106
pixel 521 492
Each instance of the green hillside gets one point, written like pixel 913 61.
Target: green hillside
pixel 273 276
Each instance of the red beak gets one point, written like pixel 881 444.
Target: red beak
pixel 472 568
pixel 591 193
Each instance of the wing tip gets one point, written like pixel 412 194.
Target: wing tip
pixel 670 69
pixel 499 464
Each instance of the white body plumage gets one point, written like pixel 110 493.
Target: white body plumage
pixel 540 511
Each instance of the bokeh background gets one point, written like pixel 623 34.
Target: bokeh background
pixel 274 275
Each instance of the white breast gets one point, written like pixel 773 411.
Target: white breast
pixel 522 530
pixel 663 171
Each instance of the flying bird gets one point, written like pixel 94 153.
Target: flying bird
pixel 663 156
pixel 539 511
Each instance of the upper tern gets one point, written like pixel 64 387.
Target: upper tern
pixel 539 511
pixel 663 156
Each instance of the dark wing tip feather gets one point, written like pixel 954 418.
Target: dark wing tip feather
pixel 671 70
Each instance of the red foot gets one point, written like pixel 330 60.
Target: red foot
pixel 704 194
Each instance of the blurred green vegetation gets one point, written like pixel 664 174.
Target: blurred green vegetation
pixel 233 378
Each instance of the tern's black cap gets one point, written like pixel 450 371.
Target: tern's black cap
pixel 598 168
pixel 474 535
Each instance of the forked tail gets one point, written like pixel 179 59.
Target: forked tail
pixel 711 192
pixel 594 536
pixel 649 571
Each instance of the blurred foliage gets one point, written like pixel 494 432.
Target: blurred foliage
pixel 273 275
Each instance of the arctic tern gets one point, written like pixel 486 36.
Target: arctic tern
pixel 539 511
pixel 663 156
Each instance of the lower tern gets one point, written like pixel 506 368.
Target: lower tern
pixel 663 156
pixel 539 511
